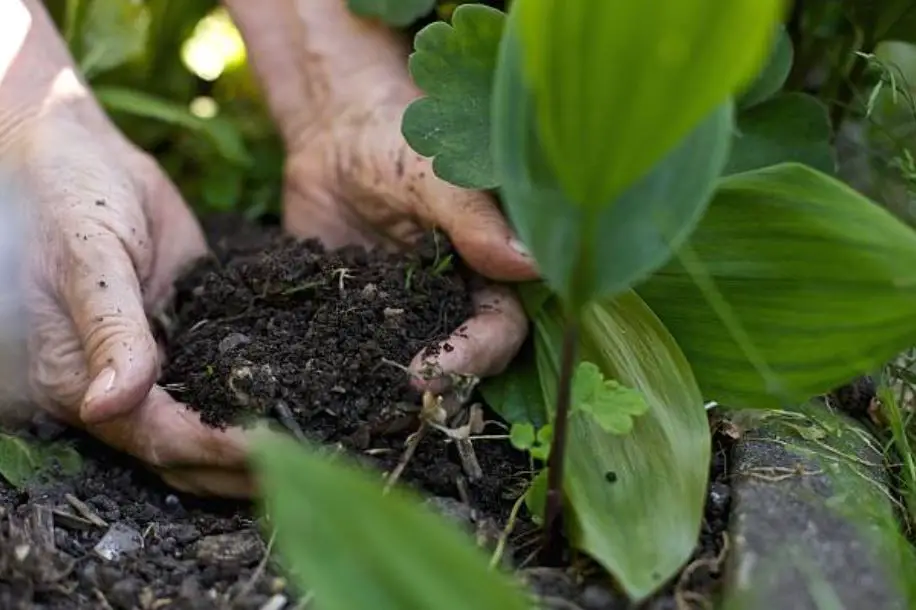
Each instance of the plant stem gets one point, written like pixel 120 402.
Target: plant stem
pixel 847 89
pixel 552 548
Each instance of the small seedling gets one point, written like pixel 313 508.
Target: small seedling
pixel 408 276
pixel 446 413
pixel 524 437
pixel 342 274
pixel 443 265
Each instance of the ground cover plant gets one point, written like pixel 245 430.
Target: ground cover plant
pixel 702 250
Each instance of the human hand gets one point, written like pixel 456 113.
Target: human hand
pixel 107 235
pixel 352 179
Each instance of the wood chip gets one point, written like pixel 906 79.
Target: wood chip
pixel 85 511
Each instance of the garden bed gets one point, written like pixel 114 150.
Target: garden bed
pixel 275 327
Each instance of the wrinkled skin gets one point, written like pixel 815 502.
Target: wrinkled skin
pixel 111 233
pixel 108 235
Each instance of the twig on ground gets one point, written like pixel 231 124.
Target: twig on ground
pixel 85 511
pixel 768 473
pixel 412 442
pixel 682 597
pixel 285 417
pixel 258 571
pixel 507 531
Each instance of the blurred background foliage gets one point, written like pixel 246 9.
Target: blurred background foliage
pixel 173 75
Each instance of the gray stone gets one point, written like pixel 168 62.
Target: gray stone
pixel 811 517
pixel 119 540
pixel 235 548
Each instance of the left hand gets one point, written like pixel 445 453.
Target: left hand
pixel 351 178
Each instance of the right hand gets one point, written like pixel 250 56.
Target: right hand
pixel 108 234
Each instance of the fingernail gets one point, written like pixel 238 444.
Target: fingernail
pixel 519 247
pixel 101 385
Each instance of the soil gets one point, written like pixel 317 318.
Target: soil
pixel 271 326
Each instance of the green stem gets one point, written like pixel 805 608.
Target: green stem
pixel 847 88
pixel 552 548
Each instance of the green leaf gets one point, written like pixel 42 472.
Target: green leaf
pixel 884 20
pixel 224 136
pixel 516 393
pixel 111 33
pixel 521 435
pixel 399 13
pixel 612 405
pixel 603 76
pixel 354 547
pixel 454 66
pixel 584 253
pixel 536 497
pixel 788 127
pixel 24 461
pixel 774 74
pixel 642 527
pixel 818 280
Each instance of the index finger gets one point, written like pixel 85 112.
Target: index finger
pixel 484 345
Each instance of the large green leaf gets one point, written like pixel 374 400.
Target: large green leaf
pixel 454 66
pixel 399 13
pixel 354 547
pixel 774 74
pixel 642 523
pixel 111 33
pixel 884 19
pixel 604 77
pixel 587 252
pixel 788 127
pixel 810 284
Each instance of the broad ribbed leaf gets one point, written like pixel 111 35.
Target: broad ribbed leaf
pixel 584 253
pixel 788 127
pixel 637 499
pixel 820 280
pixel 354 547
pixel 618 84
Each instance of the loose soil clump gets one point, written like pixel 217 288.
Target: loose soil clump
pixel 279 328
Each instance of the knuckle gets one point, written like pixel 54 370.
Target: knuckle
pixel 57 373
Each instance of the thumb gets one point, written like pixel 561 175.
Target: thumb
pixel 476 228
pixel 103 298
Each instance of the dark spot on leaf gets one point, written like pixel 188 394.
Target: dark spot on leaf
pixel 100 202
pixel 103 284
pixel 610 476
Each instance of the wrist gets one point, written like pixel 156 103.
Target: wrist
pixel 315 57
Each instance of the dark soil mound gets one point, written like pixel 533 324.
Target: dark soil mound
pixel 278 327
pixel 274 327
